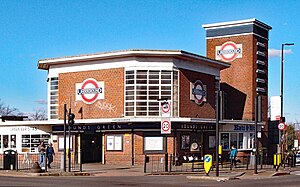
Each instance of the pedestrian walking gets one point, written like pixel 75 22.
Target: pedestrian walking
pixel 42 152
pixel 50 153
pixel 232 156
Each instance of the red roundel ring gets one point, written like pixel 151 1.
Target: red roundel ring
pixel 166 126
pixel 234 54
pixel 95 96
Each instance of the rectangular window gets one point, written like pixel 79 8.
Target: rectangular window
pixel 114 143
pixel 240 140
pixel 144 87
pixel 185 142
pixel 30 142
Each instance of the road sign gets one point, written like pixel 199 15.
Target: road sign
pixel 281 126
pixel 165 127
pixel 165 109
pixel 207 163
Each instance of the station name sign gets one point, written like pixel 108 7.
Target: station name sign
pixel 244 128
pixel 229 51
pixel 125 126
pixel 89 91
pixel 198 126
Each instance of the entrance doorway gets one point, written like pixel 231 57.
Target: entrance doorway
pixel 91 145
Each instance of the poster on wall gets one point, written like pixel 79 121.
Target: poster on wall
pixel 110 143
pixel 114 143
pixel 118 142
pixel 153 143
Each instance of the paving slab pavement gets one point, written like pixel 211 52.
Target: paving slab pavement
pixel 97 169
pixel 243 174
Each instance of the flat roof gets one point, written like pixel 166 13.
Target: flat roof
pixel 46 63
pixel 235 23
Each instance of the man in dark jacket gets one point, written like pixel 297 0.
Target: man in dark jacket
pixel 50 153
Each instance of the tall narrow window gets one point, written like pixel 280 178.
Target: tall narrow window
pixel 53 107
pixel 241 140
pixel 175 94
pixel 13 143
pixel 185 142
pixel 5 141
pixel 225 140
pixel 233 139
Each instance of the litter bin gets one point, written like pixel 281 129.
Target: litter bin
pixel 9 160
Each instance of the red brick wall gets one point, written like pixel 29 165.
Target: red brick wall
pixel 119 157
pixel 188 108
pixel 124 157
pixel 241 75
pixel 112 106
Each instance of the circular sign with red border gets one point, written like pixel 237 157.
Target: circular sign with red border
pixel 281 126
pixel 165 107
pixel 165 126
pixel 89 91
pixel 229 51
pixel 199 92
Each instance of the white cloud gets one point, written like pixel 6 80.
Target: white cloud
pixel 273 53
pixel 41 101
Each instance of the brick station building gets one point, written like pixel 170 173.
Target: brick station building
pixel 122 99
pixel 243 44
pixel 133 103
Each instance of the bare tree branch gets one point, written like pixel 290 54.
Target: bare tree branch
pixel 6 110
pixel 39 114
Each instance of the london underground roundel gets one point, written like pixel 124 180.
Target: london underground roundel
pixel 89 91
pixel 199 92
pixel 229 51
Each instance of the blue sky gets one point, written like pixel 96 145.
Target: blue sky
pixel 36 29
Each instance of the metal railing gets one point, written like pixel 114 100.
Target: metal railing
pixel 172 163
pixel 25 161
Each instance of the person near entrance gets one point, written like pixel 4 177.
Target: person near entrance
pixel 50 153
pixel 42 152
pixel 232 156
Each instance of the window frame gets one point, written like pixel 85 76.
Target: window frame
pixel 247 140
pixel 188 145
pixel 116 142
pixel 34 141
pixel 143 88
pixel 53 98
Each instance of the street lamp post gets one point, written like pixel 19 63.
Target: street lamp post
pixel 281 93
